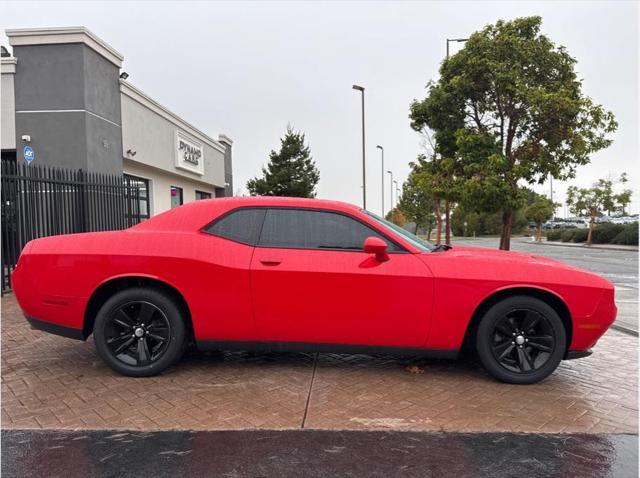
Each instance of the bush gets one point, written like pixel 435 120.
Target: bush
pixel 604 233
pixel 580 235
pixel 567 235
pixel 628 236
pixel 554 234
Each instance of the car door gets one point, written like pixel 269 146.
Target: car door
pixel 312 282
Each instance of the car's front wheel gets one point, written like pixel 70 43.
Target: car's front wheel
pixel 139 332
pixel 520 340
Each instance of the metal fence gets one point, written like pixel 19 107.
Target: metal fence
pixel 39 201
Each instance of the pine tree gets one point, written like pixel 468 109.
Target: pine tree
pixel 290 172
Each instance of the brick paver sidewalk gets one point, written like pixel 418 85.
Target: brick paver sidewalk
pixel 52 382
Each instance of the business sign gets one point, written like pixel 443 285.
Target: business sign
pixel 28 154
pixel 189 153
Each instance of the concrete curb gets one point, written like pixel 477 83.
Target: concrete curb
pixel 601 247
pixel 626 330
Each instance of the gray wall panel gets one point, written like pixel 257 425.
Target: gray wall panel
pixel 104 141
pixel 58 139
pixel 49 77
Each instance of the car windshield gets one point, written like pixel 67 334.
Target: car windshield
pixel 414 240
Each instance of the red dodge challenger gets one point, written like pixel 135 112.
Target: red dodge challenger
pixel 304 274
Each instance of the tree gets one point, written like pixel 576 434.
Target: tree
pixel 396 216
pixel 430 179
pixel 539 211
pixel 592 202
pixel 510 109
pixel 415 202
pixel 290 172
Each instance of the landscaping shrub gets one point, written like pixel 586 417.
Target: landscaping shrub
pixel 554 234
pixel 604 233
pixel 628 236
pixel 567 235
pixel 580 235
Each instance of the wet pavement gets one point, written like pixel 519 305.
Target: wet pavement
pixel 50 382
pixel 315 453
pixel 620 267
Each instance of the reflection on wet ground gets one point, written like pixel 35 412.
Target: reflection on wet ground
pixel 312 453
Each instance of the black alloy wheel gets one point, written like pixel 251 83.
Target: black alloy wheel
pixel 140 332
pixel 521 340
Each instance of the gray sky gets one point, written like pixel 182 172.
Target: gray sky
pixel 248 69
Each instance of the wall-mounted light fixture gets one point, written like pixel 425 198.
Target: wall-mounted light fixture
pixel 124 75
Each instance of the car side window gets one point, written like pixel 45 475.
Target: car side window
pixel 307 229
pixel 241 225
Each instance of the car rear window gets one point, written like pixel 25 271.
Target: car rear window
pixel 241 225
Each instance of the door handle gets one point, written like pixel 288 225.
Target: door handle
pixel 270 262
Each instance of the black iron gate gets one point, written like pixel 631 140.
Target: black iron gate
pixel 40 201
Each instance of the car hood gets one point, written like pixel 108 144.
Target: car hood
pixel 507 256
pixel 495 264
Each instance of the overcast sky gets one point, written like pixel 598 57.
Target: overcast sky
pixel 248 69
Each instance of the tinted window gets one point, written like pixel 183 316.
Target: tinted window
pixel 291 228
pixel 242 225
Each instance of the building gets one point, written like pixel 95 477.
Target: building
pixel 66 103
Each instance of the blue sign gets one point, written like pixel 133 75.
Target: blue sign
pixel 28 154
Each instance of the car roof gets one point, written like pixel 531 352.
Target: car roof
pixel 194 215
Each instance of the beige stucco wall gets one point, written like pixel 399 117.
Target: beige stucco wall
pixel 150 131
pixel 160 185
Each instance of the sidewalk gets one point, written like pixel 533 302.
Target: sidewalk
pixel 50 382
pixel 605 247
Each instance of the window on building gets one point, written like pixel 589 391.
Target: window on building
pixel 202 195
pixel 137 196
pixel 306 229
pixel 176 196
pixel 242 225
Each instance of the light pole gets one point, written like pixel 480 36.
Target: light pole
pixel 364 181
pixel 447 215
pixel 382 190
pixel 391 190
pixel 397 189
pixel 458 40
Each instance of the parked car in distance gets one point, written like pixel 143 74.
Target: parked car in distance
pixel 303 274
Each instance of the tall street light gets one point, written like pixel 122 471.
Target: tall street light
pixel 458 40
pixel 382 190
pixel 364 183
pixel 396 189
pixel 391 189
pixel 447 225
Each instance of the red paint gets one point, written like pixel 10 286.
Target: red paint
pixel 238 292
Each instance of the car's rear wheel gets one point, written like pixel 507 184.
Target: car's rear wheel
pixel 520 340
pixel 139 332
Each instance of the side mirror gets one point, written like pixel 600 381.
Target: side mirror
pixel 375 245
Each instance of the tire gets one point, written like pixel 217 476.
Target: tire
pixel 131 347
pixel 518 356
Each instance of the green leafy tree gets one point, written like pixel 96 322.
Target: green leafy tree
pixel 433 182
pixel 290 172
pixel 539 211
pixel 396 216
pixel 416 203
pixel 594 201
pixel 510 109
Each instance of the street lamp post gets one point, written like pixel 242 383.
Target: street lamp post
pixel 458 40
pixel 397 189
pixel 447 225
pixel 364 181
pixel 382 190
pixel 391 190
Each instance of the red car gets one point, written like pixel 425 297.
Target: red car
pixel 305 274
